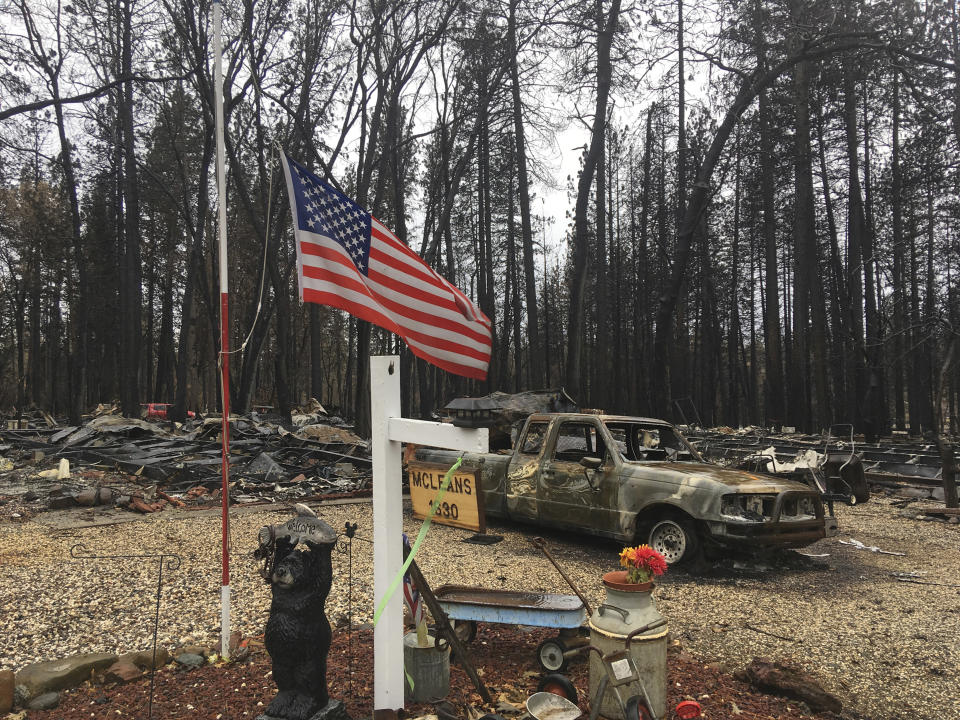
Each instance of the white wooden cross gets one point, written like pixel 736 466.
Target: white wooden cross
pixel 389 429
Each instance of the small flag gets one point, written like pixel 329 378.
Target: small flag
pixel 411 596
pixel 348 259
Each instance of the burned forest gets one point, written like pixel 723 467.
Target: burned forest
pixel 493 359
pixel 756 229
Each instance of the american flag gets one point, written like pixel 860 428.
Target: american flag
pixel 348 259
pixel 411 596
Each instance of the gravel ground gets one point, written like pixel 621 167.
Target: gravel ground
pixel 889 649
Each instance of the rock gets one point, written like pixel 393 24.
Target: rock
pixel 194 650
pixel 718 667
pixel 47 701
pixel 6 691
pixel 144 658
pixel 53 675
pixel 937 494
pixel 954 520
pixel 792 682
pixel 235 642
pixel 191 660
pixel 22 715
pixel 122 672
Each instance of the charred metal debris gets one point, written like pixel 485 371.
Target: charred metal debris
pixel 838 463
pixel 146 466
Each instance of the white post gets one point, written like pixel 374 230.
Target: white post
pixel 389 429
pixel 387 527
pixel 224 334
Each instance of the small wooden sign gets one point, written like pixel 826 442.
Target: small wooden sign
pixel 461 506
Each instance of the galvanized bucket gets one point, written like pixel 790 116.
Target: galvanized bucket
pixel 426 668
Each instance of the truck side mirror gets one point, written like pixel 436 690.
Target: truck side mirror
pixel 591 463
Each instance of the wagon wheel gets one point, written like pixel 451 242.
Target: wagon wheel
pixel 637 709
pixel 550 655
pixel 466 630
pixel 558 685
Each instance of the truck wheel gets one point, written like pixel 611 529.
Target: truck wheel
pixel 674 538
pixel 550 655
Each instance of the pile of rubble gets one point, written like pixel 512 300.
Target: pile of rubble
pixel 889 462
pixel 112 460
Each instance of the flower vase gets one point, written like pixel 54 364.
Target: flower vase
pixel 628 607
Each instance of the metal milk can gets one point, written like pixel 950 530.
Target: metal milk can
pixel 627 607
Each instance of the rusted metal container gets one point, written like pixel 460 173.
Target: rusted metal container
pixel 427 669
pixel 628 607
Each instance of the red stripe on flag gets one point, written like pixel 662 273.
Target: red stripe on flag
pixel 390 320
pixel 370 315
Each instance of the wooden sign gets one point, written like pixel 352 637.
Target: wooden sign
pixel 461 505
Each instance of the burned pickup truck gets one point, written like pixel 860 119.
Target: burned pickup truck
pixel 638 480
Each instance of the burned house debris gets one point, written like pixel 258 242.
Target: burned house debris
pixel 889 463
pixel 146 466
pixel 504 413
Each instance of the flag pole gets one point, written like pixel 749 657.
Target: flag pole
pixel 224 331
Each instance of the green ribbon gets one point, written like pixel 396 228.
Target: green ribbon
pixel 395 583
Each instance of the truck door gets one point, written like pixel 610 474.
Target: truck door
pixel 571 495
pixel 521 484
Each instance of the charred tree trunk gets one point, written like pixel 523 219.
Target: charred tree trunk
pixel 606 26
pixel 856 226
pixel 896 209
pixel 131 273
pixel 526 226
pixel 810 322
pixel 771 324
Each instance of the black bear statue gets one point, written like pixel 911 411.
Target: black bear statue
pixel 297 634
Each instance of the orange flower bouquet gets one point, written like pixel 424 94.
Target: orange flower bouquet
pixel 643 563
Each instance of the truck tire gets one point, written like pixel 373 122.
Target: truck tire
pixel 676 539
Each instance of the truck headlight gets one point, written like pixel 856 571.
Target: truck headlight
pixel 747 507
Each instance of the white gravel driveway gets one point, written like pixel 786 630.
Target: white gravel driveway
pixel 889 649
